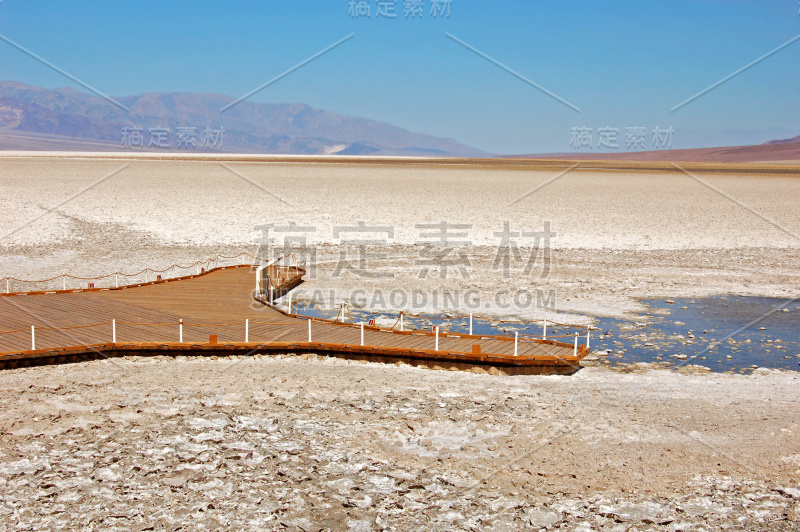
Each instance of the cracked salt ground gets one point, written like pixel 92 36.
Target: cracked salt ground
pixel 459 439
pixel 309 444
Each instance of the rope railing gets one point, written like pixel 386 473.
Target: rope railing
pixel 180 325
pixel 118 279
pixel 57 328
pixel 345 306
pixel 281 276
pixel 529 338
pixel 168 324
pixel 185 324
pixel 494 320
pixel 544 321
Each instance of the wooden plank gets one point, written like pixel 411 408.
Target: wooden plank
pixel 223 298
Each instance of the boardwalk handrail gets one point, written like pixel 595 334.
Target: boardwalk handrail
pixel 272 284
pixel 301 321
pixel 158 280
pixel 545 321
pixel 496 320
pixel 509 338
pixel 287 334
pixel 180 324
pixel 51 284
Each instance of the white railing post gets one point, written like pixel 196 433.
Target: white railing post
pixel 587 337
pixel 8 286
pixel 197 269
pixel 309 330
pixel 436 328
pixel 180 331
pixel 516 341
pixel 544 332
pixel 271 294
pixel 362 333
pixel 114 331
pixel 64 281
pixel 401 321
pixel 33 339
pixel 246 330
pixel 116 280
pixel 575 350
pixel 470 323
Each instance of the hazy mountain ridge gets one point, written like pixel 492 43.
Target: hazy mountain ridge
pixel 293 128
pixel 784 141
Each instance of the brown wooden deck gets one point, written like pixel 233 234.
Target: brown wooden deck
pixel 218 303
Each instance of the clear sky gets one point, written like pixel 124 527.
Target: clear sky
pixel 623 63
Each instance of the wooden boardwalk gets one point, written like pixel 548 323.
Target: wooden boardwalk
pixel 147 319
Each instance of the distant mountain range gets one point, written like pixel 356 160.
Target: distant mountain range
pixel 66 118
pixel 785 141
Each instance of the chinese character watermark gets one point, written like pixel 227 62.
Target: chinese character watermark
pixel 635 138
pixel 581 137
pixel 293 240
pixel 387 9
pixel 509 251
pixel 187 137
pixel 361 236
pixel 184 137
pixel 159 137
pixel 413 8
pixel 401 299
pixel 662 139
pixel 213 138
pixel 608 138
pixel 437 244
pixel 132 137
pixel 359 9
pixel 441 8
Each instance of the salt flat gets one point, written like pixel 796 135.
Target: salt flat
pixel 290 443
pixel 618 236
pixel 202 202
pixel 285 443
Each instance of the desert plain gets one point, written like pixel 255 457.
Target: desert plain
pixel 305 443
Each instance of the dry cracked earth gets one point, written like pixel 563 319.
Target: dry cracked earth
pixel 308 443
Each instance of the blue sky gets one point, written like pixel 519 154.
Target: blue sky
pixel 623 63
